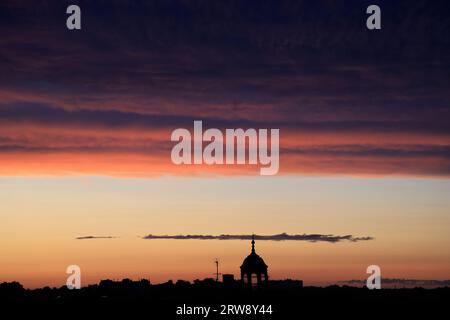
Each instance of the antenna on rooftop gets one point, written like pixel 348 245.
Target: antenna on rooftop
pixel 217 269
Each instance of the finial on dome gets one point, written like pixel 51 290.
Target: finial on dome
pixel 253 243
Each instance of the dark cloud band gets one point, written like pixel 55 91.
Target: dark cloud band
pixel 305 68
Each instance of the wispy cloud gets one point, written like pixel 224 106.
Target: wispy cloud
pixel 276 237
pixel 94 237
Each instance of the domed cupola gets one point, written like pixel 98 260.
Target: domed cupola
pixel 254 269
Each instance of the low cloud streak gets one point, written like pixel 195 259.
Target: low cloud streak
pixel 403 282
pixel 94 237
pixel 276 237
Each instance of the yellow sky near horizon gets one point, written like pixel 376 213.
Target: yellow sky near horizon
pixel 41 217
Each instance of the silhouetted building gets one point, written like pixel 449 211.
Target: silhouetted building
pixel 254 270
pixel 286 284
pixel 228 279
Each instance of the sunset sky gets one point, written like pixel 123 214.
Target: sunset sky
pixel 86 118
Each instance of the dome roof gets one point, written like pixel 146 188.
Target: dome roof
pixel 253 263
